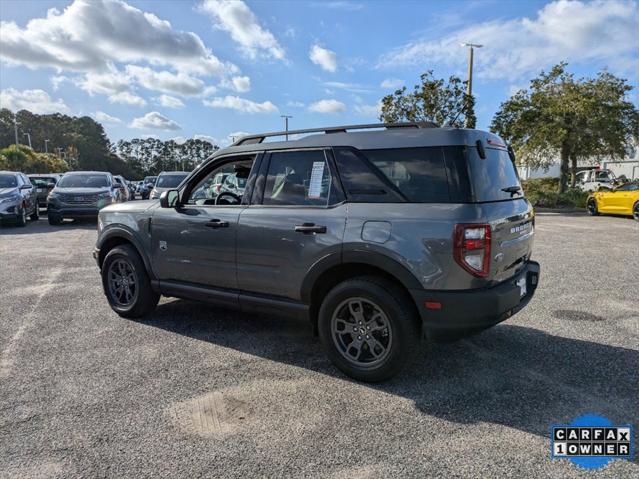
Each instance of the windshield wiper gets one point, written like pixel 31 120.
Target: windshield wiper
pixel 512 190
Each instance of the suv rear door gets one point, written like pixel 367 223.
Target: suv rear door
pixel 296 218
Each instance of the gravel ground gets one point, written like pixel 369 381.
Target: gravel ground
pixel 196 391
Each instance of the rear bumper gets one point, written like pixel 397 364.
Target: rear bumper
pixel 479 308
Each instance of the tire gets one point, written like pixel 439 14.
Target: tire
pixel 635 211
pixel 54 219
pixel 35 216
pixel 21 217
pixel 124 262
pixel 591 206
pixel 395 334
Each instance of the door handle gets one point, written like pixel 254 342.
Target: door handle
pixel 217 224
pixel 308 228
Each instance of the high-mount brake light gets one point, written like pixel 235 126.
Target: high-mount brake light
pixel 472 248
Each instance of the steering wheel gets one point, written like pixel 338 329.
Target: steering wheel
pixel 232 199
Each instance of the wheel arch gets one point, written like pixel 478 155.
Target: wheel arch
pixel 116 237
pixel 332 270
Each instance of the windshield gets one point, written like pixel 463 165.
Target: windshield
pixel 495 177
pixel 8 181
pixel 169 181
pixel 84 181
pixel 150 179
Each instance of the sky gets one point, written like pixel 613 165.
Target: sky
pixel 215 69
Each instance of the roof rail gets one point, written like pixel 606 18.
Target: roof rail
pixel 259 138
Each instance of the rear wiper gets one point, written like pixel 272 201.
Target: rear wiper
pixel 512 190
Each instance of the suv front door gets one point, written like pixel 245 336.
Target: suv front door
pixel 296 218
pixel 195 242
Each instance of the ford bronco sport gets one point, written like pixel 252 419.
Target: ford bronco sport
pixel 377 234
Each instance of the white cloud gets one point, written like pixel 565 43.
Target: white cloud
pixel 106 118
pixel 603 31
pixel 127 98
pixel 154 121
pixel 295 104
pixel 166 82
pixel 89 34
pixel 327 106
pixel 369 110
pixel 392 83
pixel 353 87
pixel 236 18
pixel 240 84
pixel 180 140
pixel 341 5
pixel 36 101
pixel 210 139
pixel 169 101
pixel 326 59
pixel 56 80
pixel 110 82
pixel 241 104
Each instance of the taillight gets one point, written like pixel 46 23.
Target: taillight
pixel 472 248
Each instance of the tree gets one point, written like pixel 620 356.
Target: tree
pixel 585 119
pixel 26 160
pixel 445 103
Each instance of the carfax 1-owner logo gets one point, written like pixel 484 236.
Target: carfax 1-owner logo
pixel 592 441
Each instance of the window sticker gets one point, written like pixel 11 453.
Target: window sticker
pixel 317 175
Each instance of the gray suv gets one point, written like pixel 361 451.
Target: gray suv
pixel 377 234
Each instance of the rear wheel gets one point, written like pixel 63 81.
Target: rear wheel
pixel 635 211
pixel 35 216
pixel 592 207
pixel 368 328
pixel 126 283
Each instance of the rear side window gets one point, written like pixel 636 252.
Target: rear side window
pixel 297 178
pixel 490 176
pixel 418 173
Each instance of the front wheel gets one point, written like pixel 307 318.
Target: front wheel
pixel 54 219
pixel 635 212
pixel 126 283
pixel 368 328
pixel 592 207
pixel 21 218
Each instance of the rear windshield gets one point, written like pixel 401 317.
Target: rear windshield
pixel 84 181
pixel 495 177
pixel 8 181
pixel 46 179
pixel 169 181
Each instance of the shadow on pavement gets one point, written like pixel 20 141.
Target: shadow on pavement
pixel 509 375
pixel 42 226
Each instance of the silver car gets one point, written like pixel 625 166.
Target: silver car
pixel 166 181
pixel 376 234
pixel 18 198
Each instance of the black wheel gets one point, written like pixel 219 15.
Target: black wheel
pixel 21 217
pixel 54 219
pixel 35 216
pixel 368 328
pixel 592 207
pixel 635 211
pixel 126 283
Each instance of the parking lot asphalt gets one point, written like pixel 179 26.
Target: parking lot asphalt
pixel 195 391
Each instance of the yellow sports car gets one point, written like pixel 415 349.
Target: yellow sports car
pixel 623 200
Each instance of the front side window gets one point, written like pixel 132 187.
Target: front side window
pixel 8 181
pixel 297 178
pixel 214 189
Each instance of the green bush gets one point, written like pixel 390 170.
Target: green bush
pixel 544 193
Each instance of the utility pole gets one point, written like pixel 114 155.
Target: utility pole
pixel 471 49
pixel 46 148
pixel 15 129
pixel 59 152
pixel 286 117
pixel 28 135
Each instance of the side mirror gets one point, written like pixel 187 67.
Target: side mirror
pixel 50 186
pixel 26 187
pixel 169 199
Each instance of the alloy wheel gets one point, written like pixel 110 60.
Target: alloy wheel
pixel 361 332
pixel 122 282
